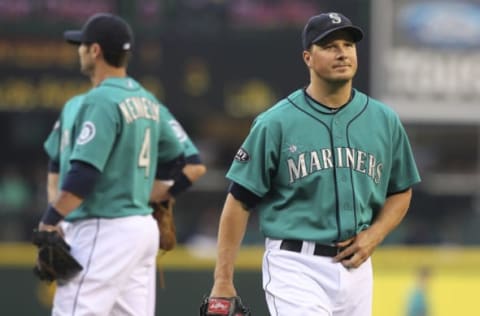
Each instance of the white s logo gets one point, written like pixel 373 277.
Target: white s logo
pixel 336 19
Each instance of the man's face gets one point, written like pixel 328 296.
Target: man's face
pixel 87 59
pixel 333 59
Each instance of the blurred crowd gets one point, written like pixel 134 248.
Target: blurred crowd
pixel 216 65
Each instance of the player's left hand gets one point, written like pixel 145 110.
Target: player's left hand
pixel 51 228
pixel 357 249
pixel 54 261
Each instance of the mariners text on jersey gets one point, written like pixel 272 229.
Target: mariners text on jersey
pixel 139 107
pixel 306 163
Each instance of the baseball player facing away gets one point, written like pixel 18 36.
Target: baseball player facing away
pixel 330 172
pixel 58 148
pixel 120 143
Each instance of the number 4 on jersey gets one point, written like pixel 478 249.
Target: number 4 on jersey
pixel 144 156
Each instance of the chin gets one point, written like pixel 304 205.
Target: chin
pixel 86 71
pixel 341 80
pixel 344 76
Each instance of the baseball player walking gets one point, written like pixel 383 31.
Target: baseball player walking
pixel 330 171
pixel 118 143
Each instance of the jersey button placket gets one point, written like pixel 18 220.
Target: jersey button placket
pixel 345 193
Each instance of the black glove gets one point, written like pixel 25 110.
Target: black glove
pixel 54 261
pixel 223 306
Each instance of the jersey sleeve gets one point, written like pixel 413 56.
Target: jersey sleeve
pixel 404 171
pixel 256 161
pixel 188 146
pixel 97 125
pixel 52 143
pixel 169 146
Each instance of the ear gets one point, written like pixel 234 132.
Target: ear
pixel 96 49
pixel 306 57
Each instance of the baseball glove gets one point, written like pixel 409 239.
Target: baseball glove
pixel 54 261
pixel 163 213
pixel 223 306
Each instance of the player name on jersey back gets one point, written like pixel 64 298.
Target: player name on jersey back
pixel 135 108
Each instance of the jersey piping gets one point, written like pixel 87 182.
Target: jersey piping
pixel 337 210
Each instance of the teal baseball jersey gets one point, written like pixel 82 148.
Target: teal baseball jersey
pixel 322 174
pixel 189 149
pixel 119 130
pixel 59 142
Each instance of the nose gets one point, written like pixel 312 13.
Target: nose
pixel 341 53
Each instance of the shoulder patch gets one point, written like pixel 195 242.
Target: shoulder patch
pixel 242 155
pixel 87 133
pixel 179 131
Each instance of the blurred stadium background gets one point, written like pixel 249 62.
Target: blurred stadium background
pixel 216 64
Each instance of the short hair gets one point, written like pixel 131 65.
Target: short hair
pixel 117 59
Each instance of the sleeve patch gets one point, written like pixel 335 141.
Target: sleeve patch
pixel 179 131
pixel 87 133
pixel 242 155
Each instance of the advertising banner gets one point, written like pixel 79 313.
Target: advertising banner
pixel 425 60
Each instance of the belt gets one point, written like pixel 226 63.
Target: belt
pixel 320 250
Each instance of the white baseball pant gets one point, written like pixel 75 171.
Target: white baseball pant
pixel 310 285
pixel 119 265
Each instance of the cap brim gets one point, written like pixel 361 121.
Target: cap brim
pixel 73 37
pixel 356 33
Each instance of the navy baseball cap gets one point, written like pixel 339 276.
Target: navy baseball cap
pixel 319 26
pixel 111 32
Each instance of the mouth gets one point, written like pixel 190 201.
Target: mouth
pixel 341 66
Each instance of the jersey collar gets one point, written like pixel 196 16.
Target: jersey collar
pixel 301 100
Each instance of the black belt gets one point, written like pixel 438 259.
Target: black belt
pixel 320 250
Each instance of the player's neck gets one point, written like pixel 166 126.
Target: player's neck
pixel 333 96
pixel 104 71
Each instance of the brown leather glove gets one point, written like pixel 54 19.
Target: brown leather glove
pixel 163 213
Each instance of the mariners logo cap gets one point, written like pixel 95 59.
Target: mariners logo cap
pixel 319 26
pixel 111 32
